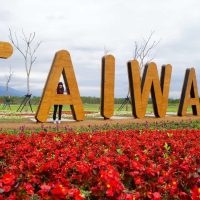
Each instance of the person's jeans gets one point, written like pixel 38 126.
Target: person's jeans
pixel 59 111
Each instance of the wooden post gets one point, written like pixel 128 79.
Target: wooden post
pixel 107 86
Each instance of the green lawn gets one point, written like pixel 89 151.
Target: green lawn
pixel 172 107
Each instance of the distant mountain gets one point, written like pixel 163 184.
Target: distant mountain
pixel 12 92
pixel 36 93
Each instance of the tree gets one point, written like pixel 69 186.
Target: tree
pixel 27 47
pixel 106 51
pixel 143 49
pixel 8 79
pixel 142 52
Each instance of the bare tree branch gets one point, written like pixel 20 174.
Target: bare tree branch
pixel 8 80
pixel 143 49
pixel 106 51
pixel 15 42
pixel 136 51
pixel 28 52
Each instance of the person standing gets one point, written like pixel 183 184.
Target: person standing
pixel 60 90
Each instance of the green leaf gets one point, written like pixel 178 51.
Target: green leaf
pixel 169 134
pixel 119 151
pixel 167 147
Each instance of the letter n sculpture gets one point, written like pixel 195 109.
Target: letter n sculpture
pixel 61 65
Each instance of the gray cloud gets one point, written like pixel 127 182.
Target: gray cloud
pixel 5 15
pixel 86 27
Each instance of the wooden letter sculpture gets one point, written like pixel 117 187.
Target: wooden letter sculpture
pixel 6 50
pixel 150 82
pixel 61 65
pixel 189 95
pixel 107 86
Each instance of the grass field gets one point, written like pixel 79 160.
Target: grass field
pixel 172 107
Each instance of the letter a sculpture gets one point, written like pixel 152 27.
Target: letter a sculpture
pixel 61 65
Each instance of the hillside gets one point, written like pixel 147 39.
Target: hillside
pixel 12 92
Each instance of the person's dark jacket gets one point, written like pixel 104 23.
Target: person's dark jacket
pixel 60 90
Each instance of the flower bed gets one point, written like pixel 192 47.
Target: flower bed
pixel 140 164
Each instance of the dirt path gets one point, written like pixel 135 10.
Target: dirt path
pixel 98 122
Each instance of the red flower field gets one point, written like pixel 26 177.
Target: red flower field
pixel 113 164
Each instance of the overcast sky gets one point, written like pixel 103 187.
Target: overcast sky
pixel 85 28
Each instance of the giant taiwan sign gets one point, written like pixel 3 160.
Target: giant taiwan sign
pixel 140 87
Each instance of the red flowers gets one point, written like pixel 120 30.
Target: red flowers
pixel 114 164
pixel 195 193
pixel 59 191
pixel 8 179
